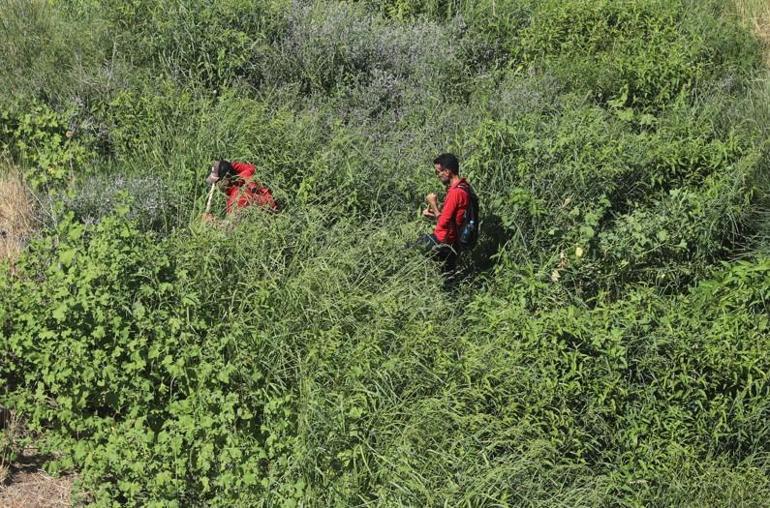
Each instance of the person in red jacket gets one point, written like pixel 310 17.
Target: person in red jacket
pixel 443 242
pixel 237 181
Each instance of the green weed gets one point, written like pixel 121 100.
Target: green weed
pixel 607 341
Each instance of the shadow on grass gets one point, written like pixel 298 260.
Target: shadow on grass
pixel 482 258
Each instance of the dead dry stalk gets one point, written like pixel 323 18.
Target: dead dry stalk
pixel 211 196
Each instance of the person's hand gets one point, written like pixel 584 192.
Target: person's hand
pixel 432 199
pixel 428 213
pixel 208 218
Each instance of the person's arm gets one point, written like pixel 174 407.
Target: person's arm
pixel 447 212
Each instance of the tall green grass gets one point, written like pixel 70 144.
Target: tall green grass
pixel 606 342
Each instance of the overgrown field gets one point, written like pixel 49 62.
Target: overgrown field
pixel 609 341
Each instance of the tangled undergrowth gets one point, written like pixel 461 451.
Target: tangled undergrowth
pixel 607 345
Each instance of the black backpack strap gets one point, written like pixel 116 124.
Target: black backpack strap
pixel 471 195
pixel 468 190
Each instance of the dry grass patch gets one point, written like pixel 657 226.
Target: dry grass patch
pixel 16 212
pixel 756 14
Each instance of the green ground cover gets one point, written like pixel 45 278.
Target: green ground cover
pixel 608 344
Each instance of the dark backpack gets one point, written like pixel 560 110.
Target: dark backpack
pixel 469 229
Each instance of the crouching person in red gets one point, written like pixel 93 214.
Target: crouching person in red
pixel 443 243
pixel 237 181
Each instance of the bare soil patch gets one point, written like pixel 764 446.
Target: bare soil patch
pixel 28 486
pixel 23 482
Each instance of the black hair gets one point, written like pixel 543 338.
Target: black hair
pixel 448 161
pixel 223 168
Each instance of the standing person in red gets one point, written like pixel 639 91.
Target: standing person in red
pixel 237 181
pixel 443 242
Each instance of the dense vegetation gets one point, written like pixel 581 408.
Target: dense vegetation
pixel 609 341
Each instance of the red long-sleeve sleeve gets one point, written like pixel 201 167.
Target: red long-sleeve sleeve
pixel 451 218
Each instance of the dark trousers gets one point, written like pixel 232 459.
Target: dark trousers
pixel 443 253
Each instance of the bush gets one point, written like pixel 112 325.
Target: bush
pixel 151 203
pixel 327 48
pixel 604 346
pixel 42 141
pixel 582 179
pixel 159 369
pixel 197 41
pixel 61 57
pixel 649 52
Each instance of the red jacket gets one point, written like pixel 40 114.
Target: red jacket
pixel 246 190
pixel 457 201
